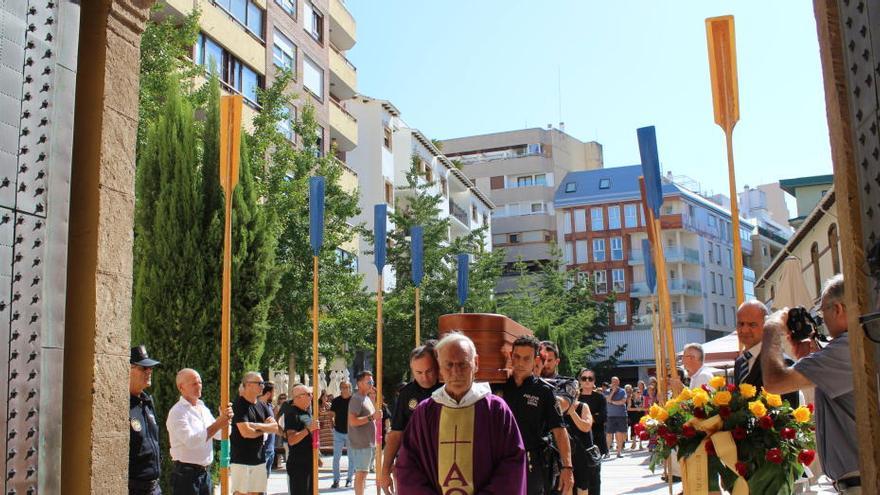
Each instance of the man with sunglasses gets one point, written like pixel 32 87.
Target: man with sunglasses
pixel 298 428
pixel 143 450
pixel 598 407
pixel 250 421
pixel 829 371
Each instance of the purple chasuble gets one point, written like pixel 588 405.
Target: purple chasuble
pixel 498 457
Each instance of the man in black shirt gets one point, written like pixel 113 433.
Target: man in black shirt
pixel 250 421
pixel 339 411
pixel 298 426
pixel 598 407
pixel 534 406
pixel 143 447
pixel 424 368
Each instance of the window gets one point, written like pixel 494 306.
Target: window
pixel 485 219
pixel 598 250
pixel 444 186
pixel 712 276
pixel 718 248
pixel 604 183
pixel 730 279
pixel 288 6
pixel 711 253
pixel 618 282
pixel 474 215
pixel 715 309
pixel 429 172
pixel 313 22
pixel 319 141
pixel 616 248
pixel 720 284
pixel 723 315
pixel 601 280
pixel 246 13
pixel 232 72
pixel 596 219
pixel 285 123
pixel 630 217
pixel 672 274
pixel 386 140
pixel 713 225
pixel 567 254
pixel 283 52
pixel 566 222
pixel 642 212
pixel 537 208
pixel 833 240
pixel 570 187
pixel 764 251
pixel 389 193
pixel 613 217
pixel 620 315
pixel 541 179
pixel 729 258
pixel 313 78
pixel 580 220
pixel 346 259
pixel 524 181
pixel 580 252
pixel 514 239
pixel 814 258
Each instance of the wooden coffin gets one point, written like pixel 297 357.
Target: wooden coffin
pixel 493 336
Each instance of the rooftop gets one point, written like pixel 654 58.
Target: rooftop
pixel 790 185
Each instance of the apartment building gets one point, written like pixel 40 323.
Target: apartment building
pixel 250 41
pixel 520 170
pixel 387 145
pixel 601 225
pixel 808 192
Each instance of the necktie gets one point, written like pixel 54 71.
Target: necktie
pixel 743 366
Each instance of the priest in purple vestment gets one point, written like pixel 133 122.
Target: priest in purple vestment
pixel 463 440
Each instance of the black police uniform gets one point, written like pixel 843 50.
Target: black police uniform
pixel 407 400
pixel 534 407
pixel 143 450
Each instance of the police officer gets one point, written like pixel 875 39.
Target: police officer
pixel 425 373
pixel 534 406
pixel 143 449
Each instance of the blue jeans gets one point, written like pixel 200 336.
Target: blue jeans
pixel 340 440
pixel 269 450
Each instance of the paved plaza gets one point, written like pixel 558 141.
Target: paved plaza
pixel 627 475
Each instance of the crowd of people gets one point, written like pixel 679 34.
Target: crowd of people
pixel 538 433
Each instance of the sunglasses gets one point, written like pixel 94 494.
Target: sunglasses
pixel 587 378
pixel 257 383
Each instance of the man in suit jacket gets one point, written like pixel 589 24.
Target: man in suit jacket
pixel 750 330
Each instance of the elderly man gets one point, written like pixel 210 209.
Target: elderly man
pixel 829 370
pixel 463 439
pixel 250 421
pixel 143 447
pixel 298 427
pixel 615 425
pixel 750 329
pixel 191 430
pixel 423 366
pixel 534 406
pixel 692 360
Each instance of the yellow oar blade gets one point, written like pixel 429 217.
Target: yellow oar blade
pixel 722 69
pixel 230 140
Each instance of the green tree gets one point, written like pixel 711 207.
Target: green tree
pixel 283 172
pixel 558 305
pixel 418 205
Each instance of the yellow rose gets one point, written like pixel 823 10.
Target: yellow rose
pixel 700 397
pixel 685 395
pixel 722 398
pixel 671 403
pixel 757 408
pixel 644 420
pixel 658 413
pixel 801 414
pixel 773 400
pixel 747 391
pixel 717 382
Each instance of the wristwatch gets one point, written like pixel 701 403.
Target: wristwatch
pixel 566 467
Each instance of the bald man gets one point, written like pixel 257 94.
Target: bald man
pixel 750 329
pixel 191 430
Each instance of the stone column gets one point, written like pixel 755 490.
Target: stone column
pixel 95 424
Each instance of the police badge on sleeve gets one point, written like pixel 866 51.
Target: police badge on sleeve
pixel 136 424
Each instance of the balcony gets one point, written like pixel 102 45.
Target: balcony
pixel 342 26
pixel 343 75
pixel 343 127
pixel 672 255
pixel 459 213
pixel 643 322
pixel 677 287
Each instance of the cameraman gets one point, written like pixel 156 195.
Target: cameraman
pixel 829 370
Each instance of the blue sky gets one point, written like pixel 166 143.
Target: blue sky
pixel 457 68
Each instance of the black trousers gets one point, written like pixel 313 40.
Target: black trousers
pixel 140 487
pixel 188 479
pixel 538 478
pixel 599 438
pixel 299 479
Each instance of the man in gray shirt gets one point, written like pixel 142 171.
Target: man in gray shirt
pixel 829 370
pixel 361 430
pixel 615 425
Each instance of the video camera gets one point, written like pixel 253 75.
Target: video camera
pixel 803 325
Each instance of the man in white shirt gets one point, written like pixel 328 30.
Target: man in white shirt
pixel 191 429
pixel 692 360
